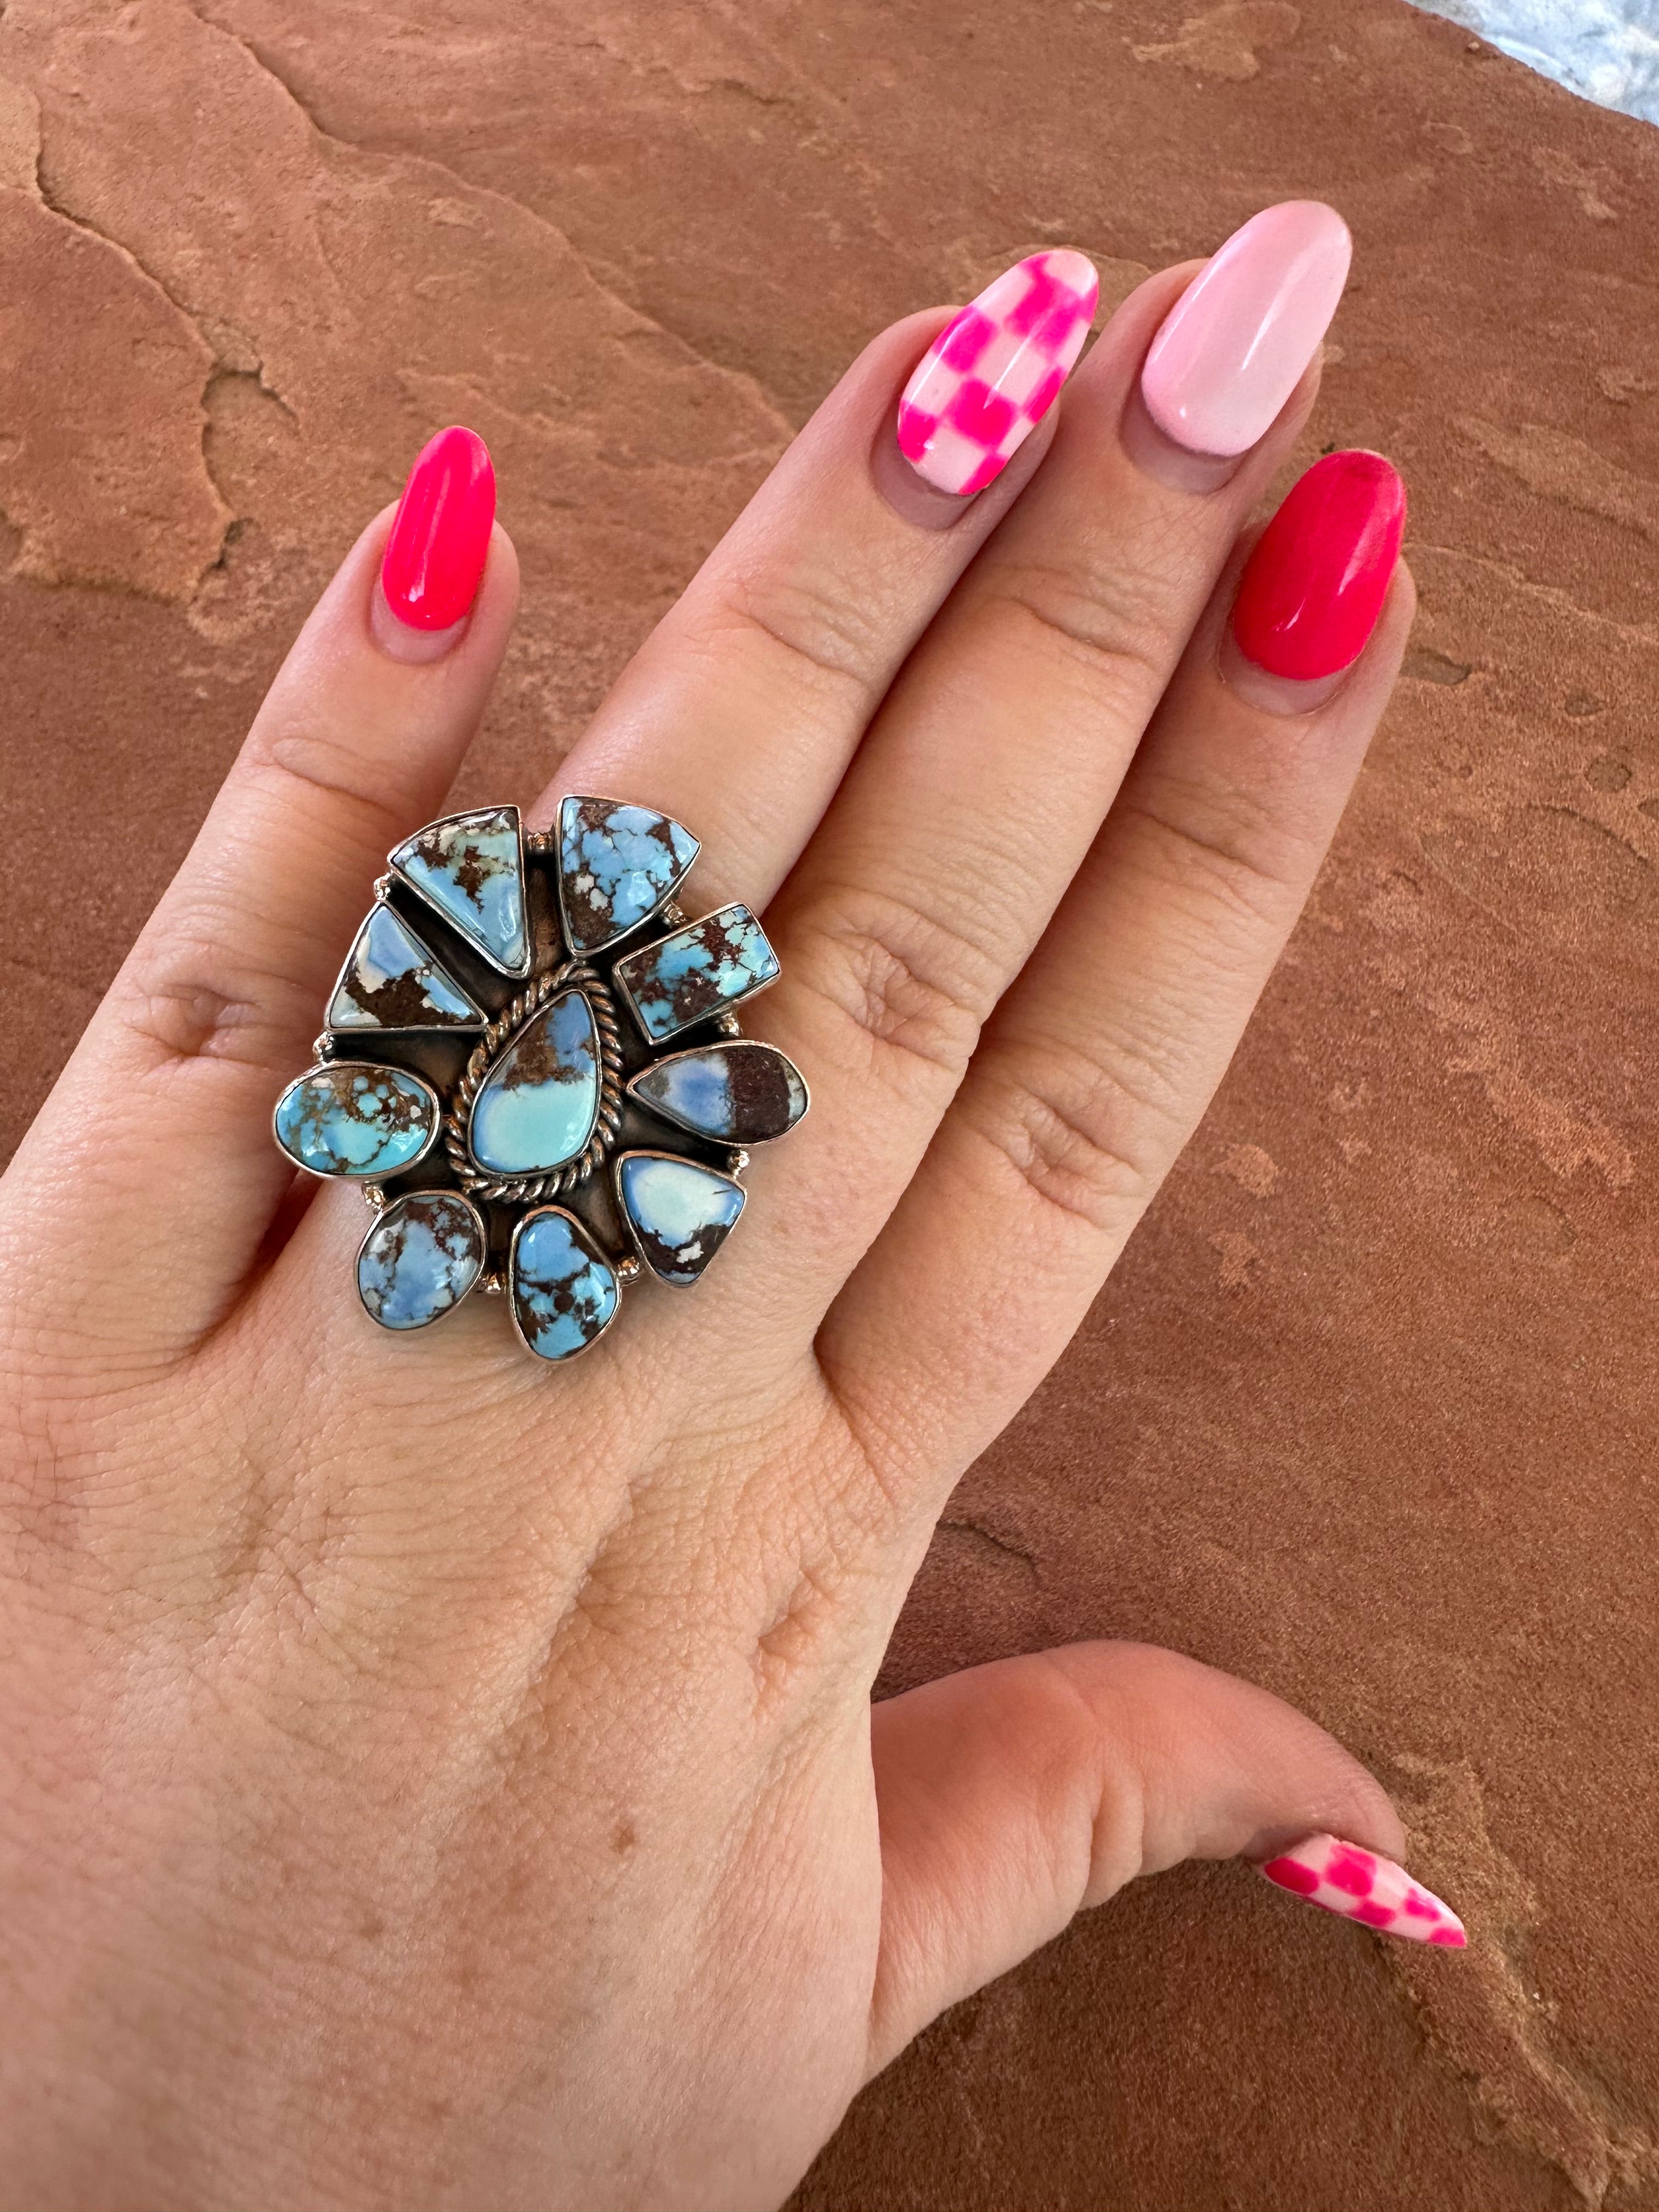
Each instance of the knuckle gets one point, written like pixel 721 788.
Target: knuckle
pixel 833 641
pixel 1089 1139
pixel 1115 632
pixel 1226 857
pixel 913 986
pixel 299 764
pixel 187 994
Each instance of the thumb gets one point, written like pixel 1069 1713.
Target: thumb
pixel 1012 1794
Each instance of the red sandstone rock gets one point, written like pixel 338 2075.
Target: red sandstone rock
pixel 1365 1413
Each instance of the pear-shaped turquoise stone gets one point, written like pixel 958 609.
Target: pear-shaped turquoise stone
pixel 742 1093
pixel 470 869
pixel 391 981
pixel 348 1119
pixel 700 970
pixel 680 1213
pixel 616 866
pixel 540 1102
pixel 421 1258
pixel 564 1294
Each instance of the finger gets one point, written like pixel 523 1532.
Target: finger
pixel 155 1150
pixel 1100 1063
pixel 740 712
pixel 982 786
pixel 1015 1794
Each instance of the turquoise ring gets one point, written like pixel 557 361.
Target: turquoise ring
pixel 533 1067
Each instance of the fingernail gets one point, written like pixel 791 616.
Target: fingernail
pixel 1232 348
pixel 1363 1886
pixel 434 558
pixel 1315 580
pixel 993 374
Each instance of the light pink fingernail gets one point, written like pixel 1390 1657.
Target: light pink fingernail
pixel 1363 1886
pixel 993 374
pixel 1229 352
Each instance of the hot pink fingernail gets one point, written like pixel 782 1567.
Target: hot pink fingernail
pixel 992 374
pixel 1363 1886
pixel 436 553
pixel 1232 348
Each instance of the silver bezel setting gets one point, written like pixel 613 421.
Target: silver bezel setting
pixel 395 1029
pixel 555 842
pixel 361 1176
pixel 377 1223
pixel 631 1227
pixel 496 1043
pixel 471 814
pixel 450 1063
pixel 585 1239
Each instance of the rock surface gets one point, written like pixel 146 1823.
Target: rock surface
pixel 1365 1413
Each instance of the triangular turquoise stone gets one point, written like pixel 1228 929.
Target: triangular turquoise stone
pixel 391 981
pixel 470 869
pixel 680 1213
pixel 617 864
pixel 540 1102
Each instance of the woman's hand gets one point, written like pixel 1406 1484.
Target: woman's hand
pixel 432 1778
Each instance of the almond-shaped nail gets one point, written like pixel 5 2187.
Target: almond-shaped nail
pixel 1316 578
pixel 993 374
pixel 1232 348
pixel 434 558
pixel 1364 1886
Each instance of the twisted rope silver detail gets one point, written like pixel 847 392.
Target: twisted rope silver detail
pixel 531 1190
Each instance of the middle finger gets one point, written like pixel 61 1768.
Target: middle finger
pixel 986 779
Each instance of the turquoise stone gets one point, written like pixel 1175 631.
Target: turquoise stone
pixel 616 866
pixel 391 981
pixel 422 1256
pixel 540 1102
pixel 470 869
pixel 564 1294
pixel 680 1213
pixel 742 1093
pixel 700 970
pixel 349 1119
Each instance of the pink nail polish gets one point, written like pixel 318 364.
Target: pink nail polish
pixel 1231 351
pixel 992 374
pixel 439 542
pixel 1363 1886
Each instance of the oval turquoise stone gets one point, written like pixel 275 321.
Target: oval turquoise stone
pixel 564 1294
pixel 540 1102
pixel 349 1119
pixel 421 1258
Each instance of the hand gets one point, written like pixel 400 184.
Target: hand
pixel 434 1777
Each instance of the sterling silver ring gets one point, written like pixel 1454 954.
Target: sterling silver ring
pixel 533 1068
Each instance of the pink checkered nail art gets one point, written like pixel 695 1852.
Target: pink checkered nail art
pixel 1363 1886
pixel 992 374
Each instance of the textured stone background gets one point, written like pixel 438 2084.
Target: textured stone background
pixel 1362 1415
